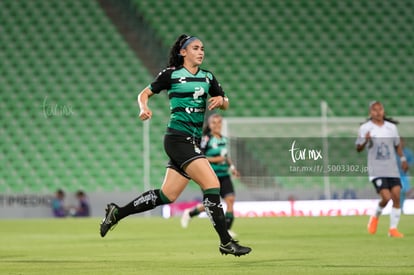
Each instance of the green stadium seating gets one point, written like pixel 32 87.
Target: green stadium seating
pixel 282 58
pixel 68 56
pixel 273 58
pixel 318 50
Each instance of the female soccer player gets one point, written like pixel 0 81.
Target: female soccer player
pixel 214 146
pixel 380 136
pixel 187 86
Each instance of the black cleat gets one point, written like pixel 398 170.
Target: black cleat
pixel 234 248
pixel 110 219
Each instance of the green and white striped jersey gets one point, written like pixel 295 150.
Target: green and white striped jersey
pixel 187 93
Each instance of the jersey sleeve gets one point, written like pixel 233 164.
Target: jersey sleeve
pixel 215 87
pixel 161 82
pixel 396 135
pixel 361 135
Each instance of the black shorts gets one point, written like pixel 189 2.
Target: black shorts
pixel 181 150
pixel 226 186
pixel 385 183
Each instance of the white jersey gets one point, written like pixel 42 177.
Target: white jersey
pixel 382 155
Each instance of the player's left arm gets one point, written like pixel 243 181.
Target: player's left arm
pixel 233 168
pixel 404 163
pixel 218 98
pixel 221 102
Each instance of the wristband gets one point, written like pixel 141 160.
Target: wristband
pixel 403 159
pixel 232 167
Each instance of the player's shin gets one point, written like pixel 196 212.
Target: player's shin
pixel 215 212
pixel 146 201
pixel 229 219
pixel 395 217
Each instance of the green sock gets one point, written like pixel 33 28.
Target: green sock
pixel 194 212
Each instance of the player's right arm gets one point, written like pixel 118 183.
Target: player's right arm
pixel 364 137
pixel 360 147
pixel 145 112
pixel 161 82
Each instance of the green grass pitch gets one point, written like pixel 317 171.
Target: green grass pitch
pixel 300 245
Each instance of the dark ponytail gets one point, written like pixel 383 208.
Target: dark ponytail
pixel 175 59
pixel 390 119
pixel 206 130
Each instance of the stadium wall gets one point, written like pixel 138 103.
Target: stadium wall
pixel 39 206
pixel 14 206
pixel 313 208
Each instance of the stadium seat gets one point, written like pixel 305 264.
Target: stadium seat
pixel 67 55
pixel 273 58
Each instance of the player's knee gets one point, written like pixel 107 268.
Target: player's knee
pixel 209 184
pixel 168 197
pixel 384 201
pixel 172 199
